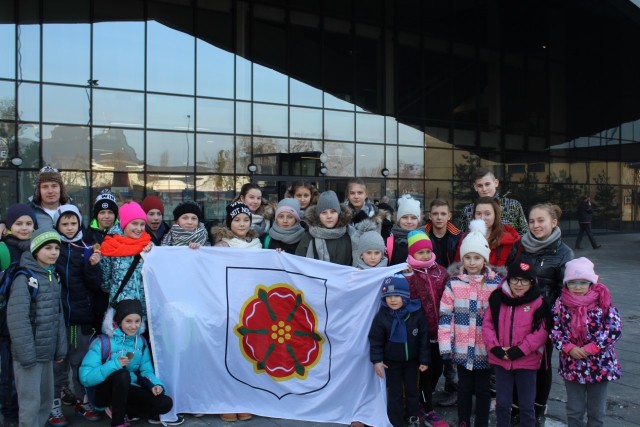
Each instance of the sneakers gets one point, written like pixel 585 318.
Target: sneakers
pixel 449 400
pixel 67 397
pixel 56 417
pixel 86 411
pixel 414 422
pixel 432 419
pixel 177 422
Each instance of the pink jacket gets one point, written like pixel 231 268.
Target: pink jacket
pixel 515 327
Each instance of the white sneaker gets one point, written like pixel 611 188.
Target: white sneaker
pixel 177 422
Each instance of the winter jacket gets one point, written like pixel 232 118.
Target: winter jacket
pixel 224 237
pixel 94 372
pixel 549 263
pixel 37 327
pixel 462 308
pixel 602 333
pixel 452 239
pixel 515 328
pixel 370 212
pixel 416 348
pixel 95 234
pixel 16 248
pixel 339 249
pixel 585 212
pixel 162 230
pixel 271 243
pixel 42 219
pixel 428 286
pixel 79 280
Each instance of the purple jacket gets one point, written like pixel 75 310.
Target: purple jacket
pixel 515 328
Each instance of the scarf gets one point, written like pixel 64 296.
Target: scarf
pixel 578 305
pixel 320 236
pixel 178 236
pixel 75 238
pixel 398 326
pixel 422 265
pixel 119 245
pixel 237 242
pixel 533 245
pixel 399 235
pixel 259 223
pixel 289 235
pixel 541 317
pixel 359 263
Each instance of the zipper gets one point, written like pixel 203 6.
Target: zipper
pixel 513 313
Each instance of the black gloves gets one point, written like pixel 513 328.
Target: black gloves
pixel 514 353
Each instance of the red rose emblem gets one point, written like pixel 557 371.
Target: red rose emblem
pixel 278 333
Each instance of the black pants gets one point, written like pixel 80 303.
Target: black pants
pixel 544 376
pixel 585 228
pixel 124 398
pixel 402 379
pixel 429 378
pixel 470 383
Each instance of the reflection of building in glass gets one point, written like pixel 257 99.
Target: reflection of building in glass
pixel 177 99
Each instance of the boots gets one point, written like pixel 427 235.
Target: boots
pixel 541 411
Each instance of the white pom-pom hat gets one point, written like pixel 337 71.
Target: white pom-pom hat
pixel 475 241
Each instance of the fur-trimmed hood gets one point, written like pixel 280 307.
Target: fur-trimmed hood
pixel 455 269
pixel 219 233
pixel 109 327
pixel 313 219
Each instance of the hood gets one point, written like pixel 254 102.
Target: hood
pixel 455 269
pixel 27 260
pixel 219 233
pixel 110 329
pixel 313 219
pixel 509 235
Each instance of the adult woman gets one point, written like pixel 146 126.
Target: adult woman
pixel 543 248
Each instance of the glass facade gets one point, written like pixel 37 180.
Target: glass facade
pixel 165 98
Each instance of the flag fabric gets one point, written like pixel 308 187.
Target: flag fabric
pixel 268 333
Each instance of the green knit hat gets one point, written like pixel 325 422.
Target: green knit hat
pixel 41 238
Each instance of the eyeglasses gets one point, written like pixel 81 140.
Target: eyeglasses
pixel 578 283
pixel 519 281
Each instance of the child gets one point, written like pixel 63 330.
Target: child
pixel 36 327
pixel 586 327
pixel 444 236
pixel 188 229
pixel 156 227
pixel 368 247
pixel 501 237
pixel 426 281
pixel 238 232
pixel 19 221
pixel 363 209
pixel 328 238
pixel 305 193
pixel 287 230
pixel 121 250
pixel 399 346
pixel 80 276
pixel 515 329
pixel 407 219
pixel 462 310
pixel 261 212
pixel 105 212
pixel 124 383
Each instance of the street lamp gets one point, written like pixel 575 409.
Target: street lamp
pixel 16 161
pixel 385 172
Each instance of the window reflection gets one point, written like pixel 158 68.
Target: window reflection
pixel 243 118
pixel 29 51
pixel 215 192
pixel 215 153
pixel 66 147
pixel 339 125
pixel 411 163
pixel 392 160
pixel 270 120
pixel 215 116
pixel 118 149
pixel 118 108
pixel 170 59
pixel 170 112
pixel 123 185
pixel 77 185
pixel 172 189
pixel 65 53
pixel 243 153
pixel 369 128
pixel 269 85
pixel 391 130
pixel 369 160
pixel 306 122
pixel 29 145
pixel 303 94
pixel 29 102
pixel 340 162
pixel 7 50
pixel 243 78
pixel 170 151
pixel 408 135
pixel 61 104
pixel 7 100
pixel 118 54
pixel 215 71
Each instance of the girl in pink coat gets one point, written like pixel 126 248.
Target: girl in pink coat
pixel 515 331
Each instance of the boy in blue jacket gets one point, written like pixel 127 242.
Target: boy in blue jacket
pixel 399 346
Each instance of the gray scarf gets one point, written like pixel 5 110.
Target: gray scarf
pixel 533 245
pixel 320 235
pixel 260 224
pixel 289 235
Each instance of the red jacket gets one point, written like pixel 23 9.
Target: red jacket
pixel 501 251
pixel 428 287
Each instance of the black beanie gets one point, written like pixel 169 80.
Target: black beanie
pixel 187 207
pixel 235 209
pixel 522 269
pixel 105 201
pixel 125 308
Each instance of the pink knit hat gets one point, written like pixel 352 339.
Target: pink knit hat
pixel 579 268
pixel 130 211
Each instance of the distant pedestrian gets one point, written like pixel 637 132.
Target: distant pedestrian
pixel 585 212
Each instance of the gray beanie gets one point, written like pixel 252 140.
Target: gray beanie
pixel 289 205
pixel 328 200
pixel 370 241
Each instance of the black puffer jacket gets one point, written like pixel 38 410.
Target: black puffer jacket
pixel 549 263
pixel 416 347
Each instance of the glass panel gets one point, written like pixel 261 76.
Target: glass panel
pixel 413 188
pixel 408 135
pixel 243 117
pixel 437 137
pixel 243 78
pixel 66 147
pixel 304 146
pixel 29 145
pixel 270 120
pixel 65 53
pixel 118 54
pixel 331 101
pixel 169 112
pixel 125 186
pixel 306 122
pixel 411 163
pixel 29 65
pixel 215 192
pixel 118 150
pixel 29 102
pixel 392 161
pixel 170 151
pixel 266 155
pixel 8 51
pixel 215 71
pixel 214 116
pixel 117 108
pixel 7 100
pixel 303 94
pixel 391 130
pixel 243 153
pixel 77 185
pixel 341 157
pixel 339 125
pixel 369 128
pixel 65 104
pixel 172 189
pixel 435 189
pixel 215 153
pixel 269 85
pixel 439 164
pixel 369 160
pixel 170 60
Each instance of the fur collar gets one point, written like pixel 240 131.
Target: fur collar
pixel 313 219
pixel 219 233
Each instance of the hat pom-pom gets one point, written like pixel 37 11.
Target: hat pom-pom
pixel 478 226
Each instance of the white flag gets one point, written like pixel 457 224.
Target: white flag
pixel 272 334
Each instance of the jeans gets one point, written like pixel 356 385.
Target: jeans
pixel 525 382
pixel 470 383
pixel 8 393
pixel 589 398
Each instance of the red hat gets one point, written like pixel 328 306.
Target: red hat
pixel 152 202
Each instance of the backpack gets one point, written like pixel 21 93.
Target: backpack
pixel 7 277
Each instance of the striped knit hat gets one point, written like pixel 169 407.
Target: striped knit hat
pixel 418 240
pixel 41 238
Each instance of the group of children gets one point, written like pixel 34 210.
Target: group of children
pixel 435 313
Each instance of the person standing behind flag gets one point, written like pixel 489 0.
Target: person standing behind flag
pixel 286 232
pixel 155 226
pixel 188 229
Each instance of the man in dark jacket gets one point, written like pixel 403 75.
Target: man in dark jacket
pixel 585 212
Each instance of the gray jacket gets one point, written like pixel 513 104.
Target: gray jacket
pixel 37 330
